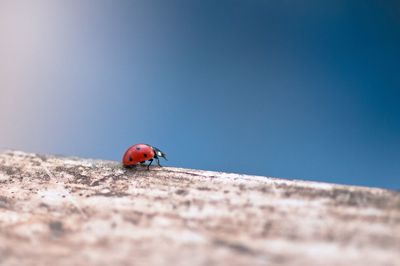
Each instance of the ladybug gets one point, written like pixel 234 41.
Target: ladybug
pixel 140 153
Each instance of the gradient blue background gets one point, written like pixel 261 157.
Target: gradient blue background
pixel 295 89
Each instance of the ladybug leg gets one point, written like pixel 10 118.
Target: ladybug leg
pixel 148 166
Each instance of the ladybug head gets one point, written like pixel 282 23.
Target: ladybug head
pixel 159 153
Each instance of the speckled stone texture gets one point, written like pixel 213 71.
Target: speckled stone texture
pixel 72 211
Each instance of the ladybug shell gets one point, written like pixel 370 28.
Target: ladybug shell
pixel 138 153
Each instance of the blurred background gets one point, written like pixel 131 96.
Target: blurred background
pixel 293 89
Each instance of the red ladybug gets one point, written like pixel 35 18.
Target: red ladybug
pixel 140 153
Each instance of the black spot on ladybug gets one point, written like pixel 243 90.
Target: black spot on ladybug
pixel 130 159
pixel 138 148
pixel 145 155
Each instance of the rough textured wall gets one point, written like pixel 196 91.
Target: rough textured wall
pixel 71 211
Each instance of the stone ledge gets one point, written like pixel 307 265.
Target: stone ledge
pixel 72 211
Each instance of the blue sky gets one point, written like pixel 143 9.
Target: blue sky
pixel 306 90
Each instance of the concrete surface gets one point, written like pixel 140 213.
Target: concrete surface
pixel 72 211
